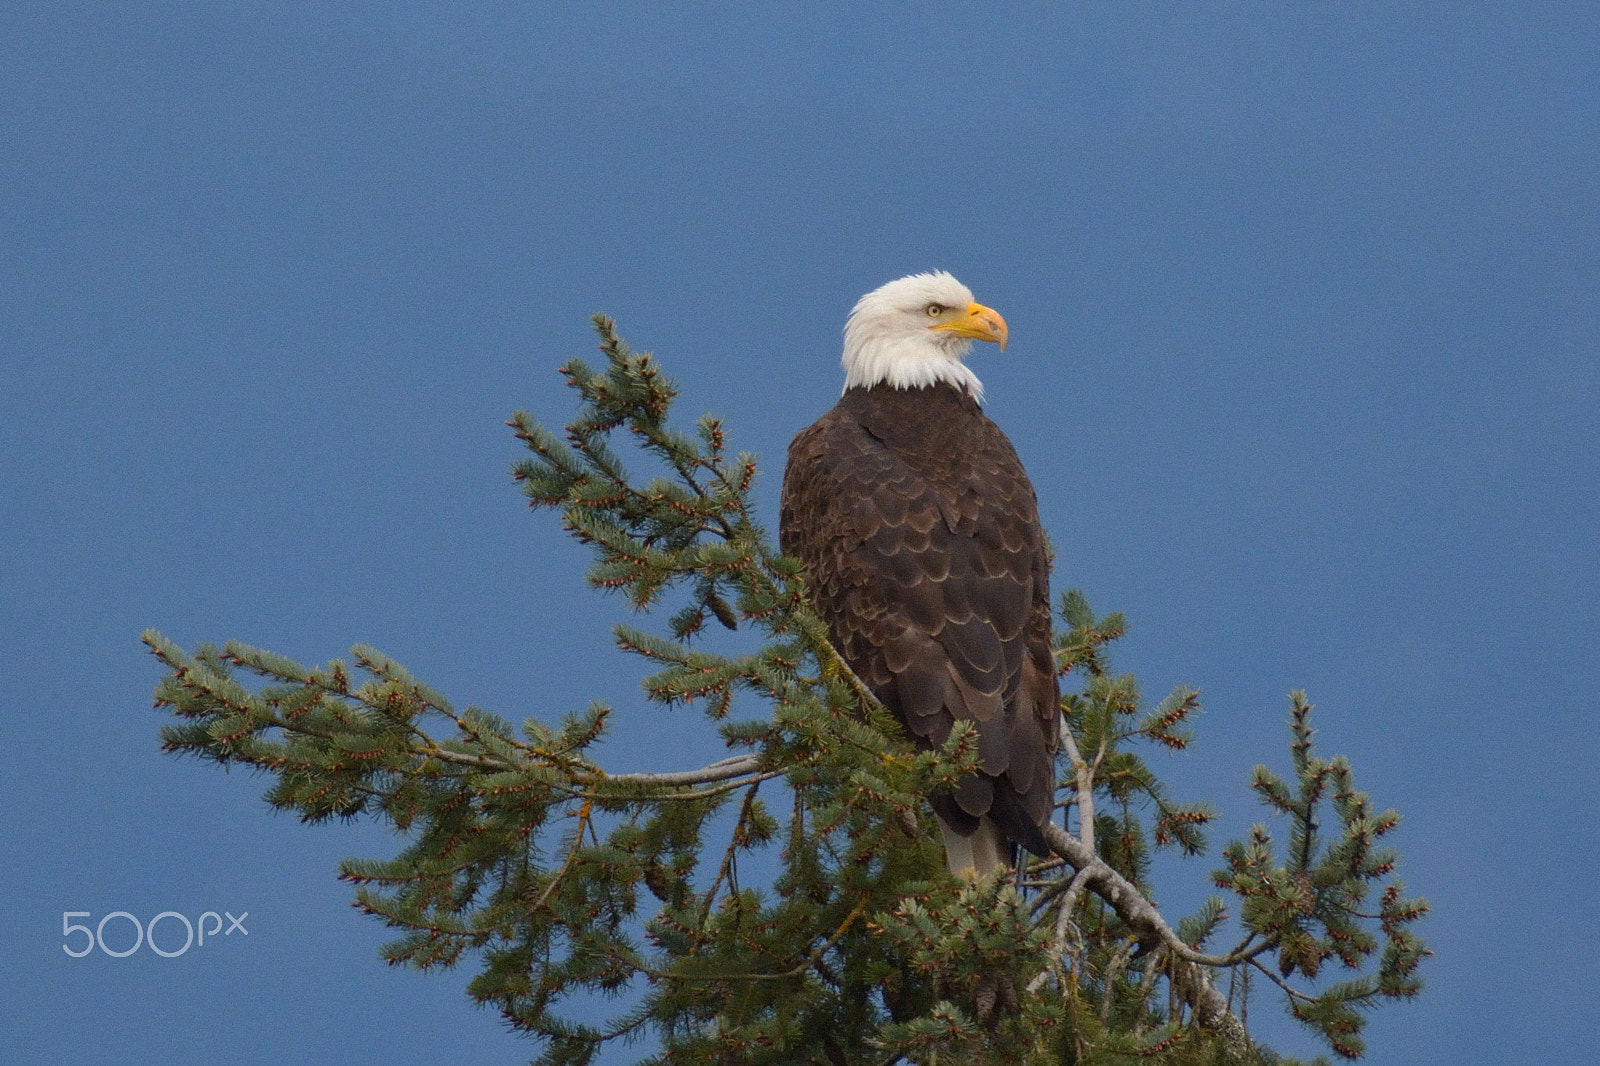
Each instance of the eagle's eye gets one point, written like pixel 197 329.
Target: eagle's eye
pixel 934 310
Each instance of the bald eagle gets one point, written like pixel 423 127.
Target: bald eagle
pixel 920 533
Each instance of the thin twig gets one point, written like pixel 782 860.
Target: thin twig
pixel 572 854
pixel 1119 962
pixel 1058 939
pixel 1147 984
pixel 725 869
pixel 1084 776
pixel 1281 983
pixel 811 960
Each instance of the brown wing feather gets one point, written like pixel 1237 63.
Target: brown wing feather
pixel 921 536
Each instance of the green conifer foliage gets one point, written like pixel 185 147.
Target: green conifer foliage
pixel 789 903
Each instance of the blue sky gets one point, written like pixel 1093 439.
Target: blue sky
pixel 1305 364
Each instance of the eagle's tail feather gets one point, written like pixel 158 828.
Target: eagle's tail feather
pixel 984 851
pixel 1016 822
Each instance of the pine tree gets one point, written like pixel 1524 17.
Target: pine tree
pixel 789 903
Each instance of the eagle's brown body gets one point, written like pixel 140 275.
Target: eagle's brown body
pixel 920 532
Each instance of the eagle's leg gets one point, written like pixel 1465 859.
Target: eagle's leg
pixel 983 852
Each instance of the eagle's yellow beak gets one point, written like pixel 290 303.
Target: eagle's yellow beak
pixel 980 323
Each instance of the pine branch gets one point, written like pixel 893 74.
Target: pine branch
pixel 1151 929
pixel 721 770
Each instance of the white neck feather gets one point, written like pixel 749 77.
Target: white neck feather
pixel 906 361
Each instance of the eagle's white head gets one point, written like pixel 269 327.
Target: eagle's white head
pixel 914 332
